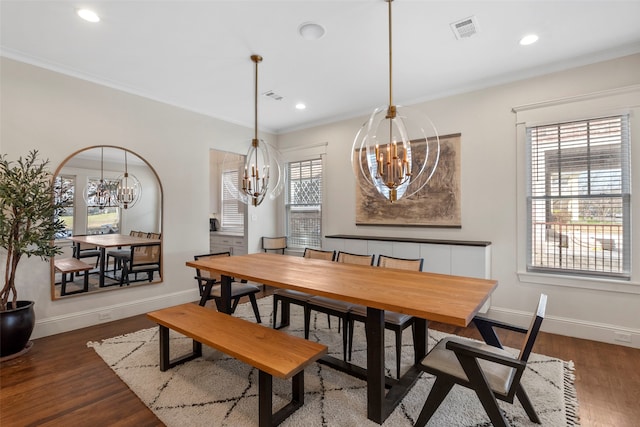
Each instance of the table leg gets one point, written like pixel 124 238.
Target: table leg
pixel 375 365
pixel 420 339
pixel 102 267
pixel 225 294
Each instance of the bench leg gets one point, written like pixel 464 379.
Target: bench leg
pixel 63 284
pixel 265 396
pixel 165 361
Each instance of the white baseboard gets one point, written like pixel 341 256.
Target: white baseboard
pixel 64 323
pixel 582 329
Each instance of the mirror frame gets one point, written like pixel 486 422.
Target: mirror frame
pixel 161 221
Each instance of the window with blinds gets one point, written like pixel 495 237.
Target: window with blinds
pixel 579 198
pixel 303 201
pixel 232 208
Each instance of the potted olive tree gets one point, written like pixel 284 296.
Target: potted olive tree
pixel 28 225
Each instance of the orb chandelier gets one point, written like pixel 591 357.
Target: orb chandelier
pixel 128 189
pixel 99 194
pixel 397 149
pixel 261 176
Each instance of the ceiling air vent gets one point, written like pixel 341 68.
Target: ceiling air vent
pixel 465 28
pixel 272 95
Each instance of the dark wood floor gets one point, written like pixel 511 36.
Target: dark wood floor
pixel 62 382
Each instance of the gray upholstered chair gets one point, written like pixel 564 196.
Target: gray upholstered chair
pixel 209 286
pixel 333 307
pixel 286 297
pixel 489 370
pixel 396 322
pixel 278 244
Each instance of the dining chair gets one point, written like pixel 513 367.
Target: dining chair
pixel 396 322
pixel 210 287
pixel 333 307
pixel 286 297
pixel 83 250
pixel 120 254
pixel 143 258
pixel 274 244
pixel 489 370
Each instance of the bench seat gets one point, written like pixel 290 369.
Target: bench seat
pixel 272 352
pixel 70 266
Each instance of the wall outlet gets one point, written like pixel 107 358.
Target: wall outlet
pixel 104 316
pixel 622 337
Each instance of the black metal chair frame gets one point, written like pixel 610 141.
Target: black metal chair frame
pixel 80 253
pixel 468 357
pixel 119 255
pixel 206 285
pixel 396 328
pixel 132 264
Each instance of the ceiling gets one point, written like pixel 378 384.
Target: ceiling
pixel 195 54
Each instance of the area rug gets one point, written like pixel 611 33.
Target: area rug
pixel 216 390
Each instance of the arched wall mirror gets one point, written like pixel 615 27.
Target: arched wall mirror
pixel 113 217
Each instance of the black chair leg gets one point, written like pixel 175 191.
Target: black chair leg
pixel 398 350
pixel 307 321
pixel 350 327
pixel 526 404
pixel 438 392
pixel 254 305
pixel 482 390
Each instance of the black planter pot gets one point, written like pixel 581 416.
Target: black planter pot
pixel 16 325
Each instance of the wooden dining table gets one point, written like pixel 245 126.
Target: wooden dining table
pixel 104 241
pixel 443 298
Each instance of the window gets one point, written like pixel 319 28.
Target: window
pixel 303 204
pixel 232 208
pixel 579 198
pixel 102 219
pixel 64 188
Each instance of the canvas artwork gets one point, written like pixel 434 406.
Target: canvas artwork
pixel 437 204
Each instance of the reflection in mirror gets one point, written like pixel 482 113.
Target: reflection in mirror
pixel 109 242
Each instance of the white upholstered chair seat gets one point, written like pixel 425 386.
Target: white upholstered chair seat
pixel 498 376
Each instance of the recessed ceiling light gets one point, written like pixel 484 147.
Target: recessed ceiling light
pixel 88 15
pixel 528 39
pixel 300 106
pixel 311 31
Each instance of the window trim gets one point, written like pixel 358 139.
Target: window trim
pixel 287 204
pixel 618 101
pixel 594 148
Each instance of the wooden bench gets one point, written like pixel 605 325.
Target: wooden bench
pixel 272 352
pixel 70 266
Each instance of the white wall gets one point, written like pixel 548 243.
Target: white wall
pixel 59 115
pixel 489 199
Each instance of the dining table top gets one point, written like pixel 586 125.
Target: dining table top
pixel 443 298
pixel 112 240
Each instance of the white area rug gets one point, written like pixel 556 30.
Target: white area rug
pixel 216 390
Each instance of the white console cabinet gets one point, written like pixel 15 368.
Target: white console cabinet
pixel 456 257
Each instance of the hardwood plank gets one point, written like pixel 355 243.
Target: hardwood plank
pixel 62 382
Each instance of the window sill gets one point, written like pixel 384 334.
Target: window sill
pixel 598 284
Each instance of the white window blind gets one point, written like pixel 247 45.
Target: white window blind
pixel 579 197
pixel 232 208
pixel 304 204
